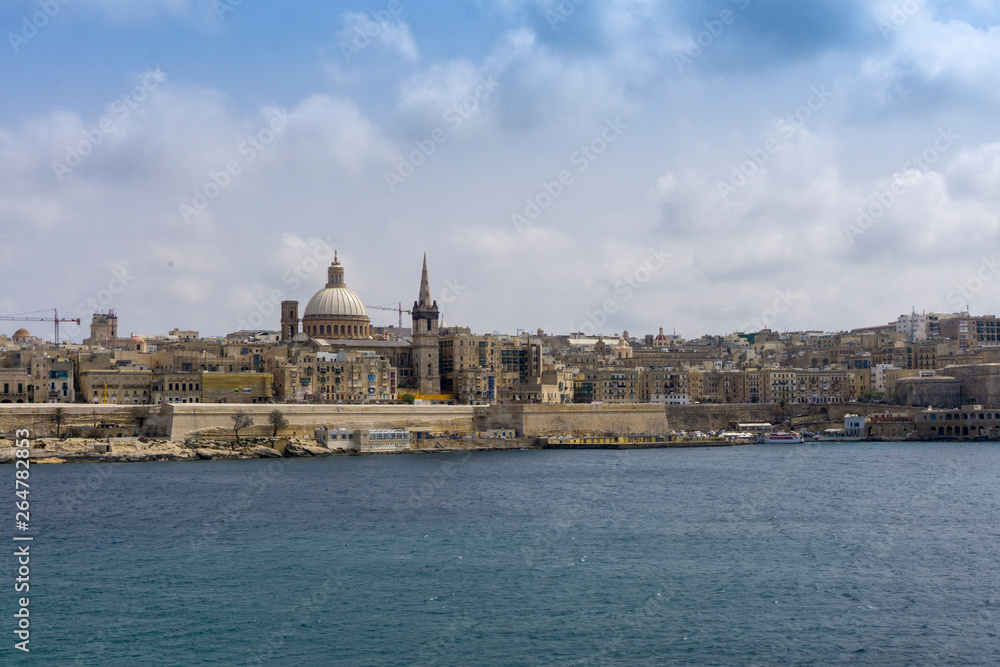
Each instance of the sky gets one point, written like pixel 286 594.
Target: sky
pixel 580 166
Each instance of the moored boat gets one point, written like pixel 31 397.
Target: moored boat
pixel 791 438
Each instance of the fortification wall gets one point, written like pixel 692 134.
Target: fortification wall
pixel 712 416
pixel 40 418
pixel 190 417
pixel 938 391
pixel 980 383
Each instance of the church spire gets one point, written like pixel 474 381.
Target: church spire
pixel 425 287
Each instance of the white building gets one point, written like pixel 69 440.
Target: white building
pixel 878 376
pixel 854 426
pixel 913 325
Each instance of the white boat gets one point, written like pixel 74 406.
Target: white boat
pixel 791 438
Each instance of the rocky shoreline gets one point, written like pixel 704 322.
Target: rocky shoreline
pixel 140 450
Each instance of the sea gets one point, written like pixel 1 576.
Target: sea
pixel 815 554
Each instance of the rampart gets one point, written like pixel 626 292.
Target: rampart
pixel 980 383
pixel 40 418
pixel 189 418
pixel 180 421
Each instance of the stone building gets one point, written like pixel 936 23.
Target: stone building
pixel 333 312
pixel 425 343
pixel 103 330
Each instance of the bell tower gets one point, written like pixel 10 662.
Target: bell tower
pixel 425 338
pixel 289 319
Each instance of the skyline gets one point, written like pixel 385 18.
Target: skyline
pixel 689 166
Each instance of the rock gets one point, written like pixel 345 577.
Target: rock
pixel 296 450
pixel 206 454
pixel 266 452
pixel 316 450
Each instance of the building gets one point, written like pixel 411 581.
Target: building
pixel 968 421
pixel 333 312
pixel 972 331
pixel 15 385
pixel 103 330
pixel 117 386
pixel 913 325
pixel 426 349
pixel 53 380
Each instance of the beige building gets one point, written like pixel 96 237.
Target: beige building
pixel 15 385
pixel 231 387
pixel 53 380
pixel 126 386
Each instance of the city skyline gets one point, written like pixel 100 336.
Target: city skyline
pixel 564 165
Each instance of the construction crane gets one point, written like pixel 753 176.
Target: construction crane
pixel 397 307
pixel 55 319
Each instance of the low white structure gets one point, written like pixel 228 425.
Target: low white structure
pixel 854 426
pixel 335 438
pixel 382 440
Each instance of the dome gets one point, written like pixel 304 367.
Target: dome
pixel 335 301
pixel 136 338
pixel 21 334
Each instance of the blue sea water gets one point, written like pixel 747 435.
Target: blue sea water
pixel 830 553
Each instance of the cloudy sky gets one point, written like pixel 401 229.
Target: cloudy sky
pixel 589 166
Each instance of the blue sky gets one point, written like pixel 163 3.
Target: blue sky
pixel 576 166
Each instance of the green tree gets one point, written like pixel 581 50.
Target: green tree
pixel 408 398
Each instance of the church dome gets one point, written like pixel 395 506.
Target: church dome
pixel 335 311
pixel 21 334
pixel 335 301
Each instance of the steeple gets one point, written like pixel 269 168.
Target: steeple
pixel 424 337
pixel 425 287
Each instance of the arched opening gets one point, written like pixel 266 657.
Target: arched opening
pixel 940 430
pixel 948 432
pixel 965 430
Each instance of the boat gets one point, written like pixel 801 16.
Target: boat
pixel 791 438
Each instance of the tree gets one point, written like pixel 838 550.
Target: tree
pixel 57 416
pixel 408 398
pixel 278 421
pixel 241 420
